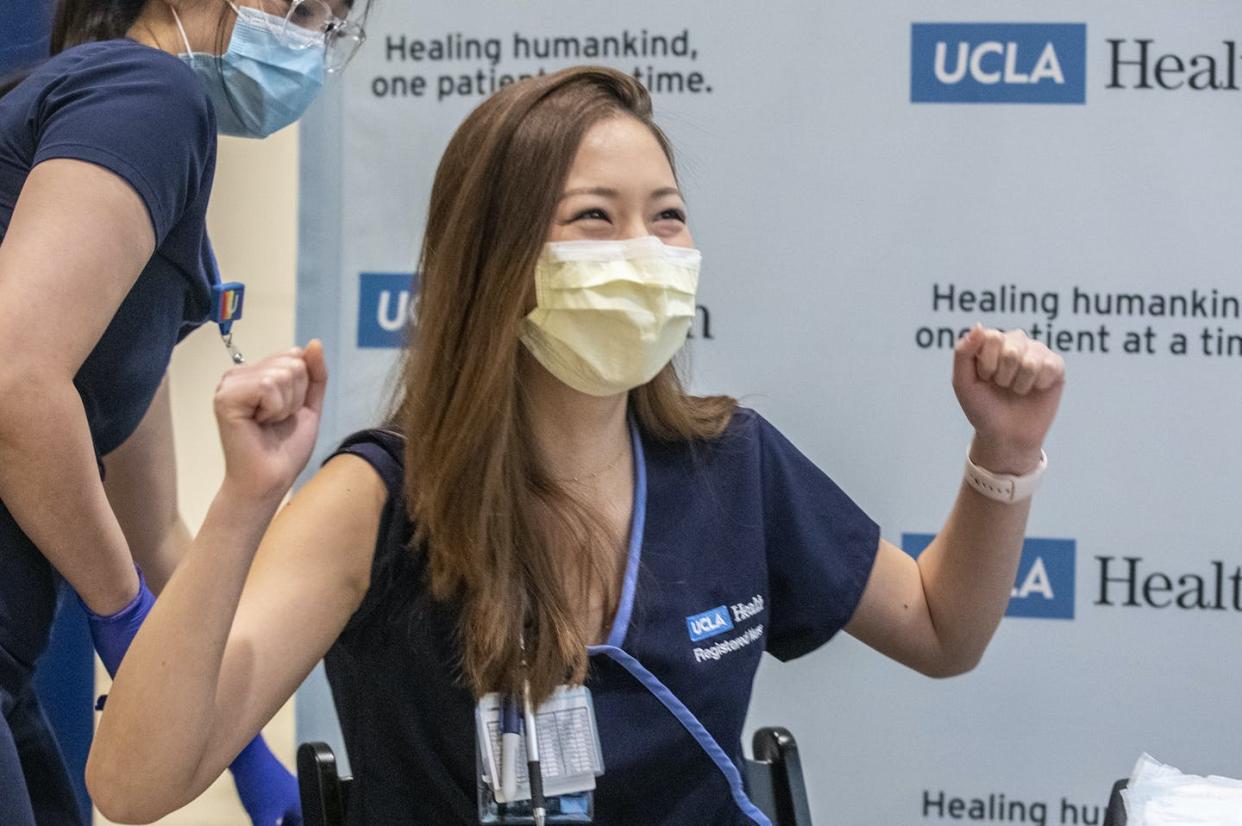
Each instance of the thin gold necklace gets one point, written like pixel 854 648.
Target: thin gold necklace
pixel 600 472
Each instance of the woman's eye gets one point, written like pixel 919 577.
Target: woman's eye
pixel 591 215
pixel 672 215
pixel 302 13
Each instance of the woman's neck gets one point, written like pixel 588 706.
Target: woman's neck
pixel 157 27
pixel 577 435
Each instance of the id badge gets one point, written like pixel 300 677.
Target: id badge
pixel 570 758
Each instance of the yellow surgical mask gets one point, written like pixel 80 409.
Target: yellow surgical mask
pixel 610 314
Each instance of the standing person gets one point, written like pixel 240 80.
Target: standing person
pixel 549 505
pixel 107 153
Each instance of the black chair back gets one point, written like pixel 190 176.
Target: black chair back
pixel 774 778
pixel 773 781
pixel 324 792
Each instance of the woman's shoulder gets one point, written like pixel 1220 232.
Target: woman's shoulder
pixel 389 439
pixel 750 426
pixel 383 449
pixel 396 571
pixel 139 80
pixel 113 58
pixel 744 429
pixel 747 443
pixel 744 420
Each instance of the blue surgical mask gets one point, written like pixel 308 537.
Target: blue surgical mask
pixel 266 79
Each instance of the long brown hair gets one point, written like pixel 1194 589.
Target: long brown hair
pixel 498 532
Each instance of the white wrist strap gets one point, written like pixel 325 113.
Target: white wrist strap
pixel 1003 487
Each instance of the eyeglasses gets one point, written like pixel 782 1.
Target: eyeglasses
pixel 341 38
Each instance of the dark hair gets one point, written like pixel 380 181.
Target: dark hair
pixel 85 21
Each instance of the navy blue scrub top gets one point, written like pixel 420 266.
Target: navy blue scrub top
pixel 144 115
pixel 738 545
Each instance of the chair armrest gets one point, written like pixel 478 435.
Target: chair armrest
pixel 777 746
pixel 320 786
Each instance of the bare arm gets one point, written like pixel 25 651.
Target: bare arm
pixel 141 484
pixel 229 641
pixel 78 239
pixel 938 614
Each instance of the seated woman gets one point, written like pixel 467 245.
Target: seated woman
pixel 547 505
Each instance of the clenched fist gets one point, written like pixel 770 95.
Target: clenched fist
pixel 268 416
pixel 1009 387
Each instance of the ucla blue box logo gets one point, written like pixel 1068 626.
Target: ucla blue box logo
pixel 1044 587
pixel 384 303
pixel 998 63
pixel 709 623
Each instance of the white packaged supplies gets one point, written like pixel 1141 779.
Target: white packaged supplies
pixel 1160 795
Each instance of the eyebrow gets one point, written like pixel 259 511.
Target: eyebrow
pixel 608 192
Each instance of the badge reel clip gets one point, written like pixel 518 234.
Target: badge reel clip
pixel 565 752
pixel 227 302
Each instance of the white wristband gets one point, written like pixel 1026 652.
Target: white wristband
pixel 1003 487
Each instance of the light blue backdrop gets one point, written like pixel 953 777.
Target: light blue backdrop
pixel 842 182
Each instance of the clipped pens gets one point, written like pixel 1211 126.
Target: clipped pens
pixel 510 740
pixel 537 808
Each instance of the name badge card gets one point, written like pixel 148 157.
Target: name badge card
pixel 569 749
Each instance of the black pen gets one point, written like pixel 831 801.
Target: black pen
pixel 537 808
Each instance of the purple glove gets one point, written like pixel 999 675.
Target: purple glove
pixel 267 790
pixel 113 634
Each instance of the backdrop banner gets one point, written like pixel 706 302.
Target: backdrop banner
pixel 865 182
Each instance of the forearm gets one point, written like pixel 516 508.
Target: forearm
pixel 968 571
pixel 141 484
pixel 160 558
pixel 163 706
pixel 49 481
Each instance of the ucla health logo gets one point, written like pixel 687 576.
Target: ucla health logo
pixel 385 307
pixel 1044 587
pixel 709 623
pixel 998 63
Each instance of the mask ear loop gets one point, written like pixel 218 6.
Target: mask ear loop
pixel 190 50
pixel 177 19
pixel 180 28
pixel 185 39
